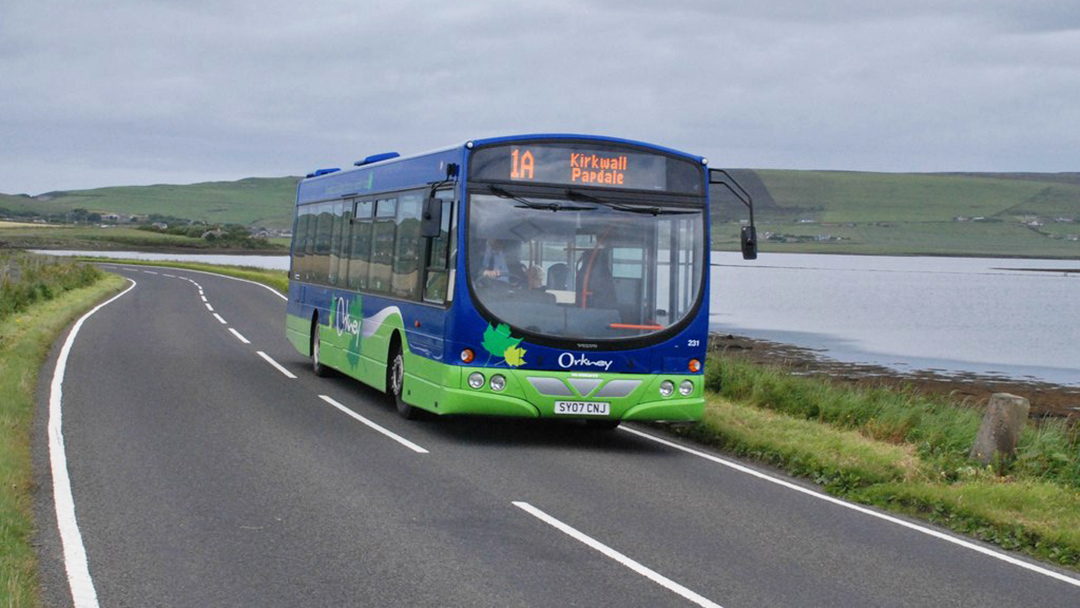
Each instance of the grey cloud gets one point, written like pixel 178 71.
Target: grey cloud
pixel 147 90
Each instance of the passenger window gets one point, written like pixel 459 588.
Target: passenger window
pixel 382 252
pixel 360 248
pixel 406 275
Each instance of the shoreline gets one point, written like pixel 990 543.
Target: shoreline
pixel 1047 400
pixel 160 250
pixel 965 256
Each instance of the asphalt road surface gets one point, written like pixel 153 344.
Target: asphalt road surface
pixel 204 474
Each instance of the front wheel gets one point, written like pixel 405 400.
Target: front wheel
pixel 395 381
pixel 320 370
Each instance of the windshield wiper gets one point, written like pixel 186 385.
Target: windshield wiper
pixel 574 195
pixel 526 203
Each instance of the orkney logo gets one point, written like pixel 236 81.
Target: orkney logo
pixel 568 360
pixel 344 323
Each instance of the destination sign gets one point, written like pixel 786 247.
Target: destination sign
pixel 572 166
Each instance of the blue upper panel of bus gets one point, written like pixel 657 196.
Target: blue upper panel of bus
pixel 429 167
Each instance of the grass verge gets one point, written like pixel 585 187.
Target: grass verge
pixel 25 340
pixel 902 452
pixel 277 279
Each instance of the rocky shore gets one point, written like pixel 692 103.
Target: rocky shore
pixel 1047 400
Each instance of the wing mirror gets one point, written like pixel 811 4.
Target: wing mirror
pixel 749 243
pixel 431 221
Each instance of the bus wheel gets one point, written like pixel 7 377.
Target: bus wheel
pixel 395 380
pixel 319 369
pixel 602 425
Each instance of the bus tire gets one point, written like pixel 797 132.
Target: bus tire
pixel 395 381
pixel 320 370
pixel 602 425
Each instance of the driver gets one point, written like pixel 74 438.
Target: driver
pixel 493 264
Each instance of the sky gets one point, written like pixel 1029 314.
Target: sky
pixel 121 92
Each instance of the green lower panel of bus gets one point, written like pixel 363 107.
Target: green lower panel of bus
pixel 540 394
pixel 445 389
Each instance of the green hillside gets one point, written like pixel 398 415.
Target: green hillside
pixel 996 214
pixel 1021 214
pixel 253 201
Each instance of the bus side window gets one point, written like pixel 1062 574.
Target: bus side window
pixel 310 219
pixel 382 246
pixel 360 250
pixel 406 273
pixel 337 226
pixel 324 230
pixel 437 276
pixel 298 244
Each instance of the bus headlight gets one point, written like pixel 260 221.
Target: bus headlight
pixel 476 379
pixel 685 388
pixel 667 387
pixel 498 382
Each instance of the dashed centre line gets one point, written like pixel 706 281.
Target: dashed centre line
pixel 276 365
pixel 648 573
pixel 239 337
pixel 392 435
pixel 220 320
pixel 209 307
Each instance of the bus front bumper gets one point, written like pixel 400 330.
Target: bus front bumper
pixel 538 394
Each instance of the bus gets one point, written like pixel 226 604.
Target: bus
pixel 542 276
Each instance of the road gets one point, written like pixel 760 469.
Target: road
pixel 203 474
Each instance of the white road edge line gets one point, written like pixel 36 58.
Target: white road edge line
pixel 218 317
pixel 239 337
pixel 209 307
pixel 392 435
pixel 83 594
pixel 864 510
pixel 652 575
pixel 277 365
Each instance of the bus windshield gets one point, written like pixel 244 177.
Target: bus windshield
pixel 582 268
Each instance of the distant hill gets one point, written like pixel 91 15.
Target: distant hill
pixel 1007 214
pixel 256 201
pixel 1023 214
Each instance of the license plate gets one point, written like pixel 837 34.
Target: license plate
pixel 582 408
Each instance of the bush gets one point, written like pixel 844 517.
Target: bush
pixel 26 279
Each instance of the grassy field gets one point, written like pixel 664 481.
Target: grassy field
pixel 95 238
pixel 25 225
pixel 39 297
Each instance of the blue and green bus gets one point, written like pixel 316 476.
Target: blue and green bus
pixel 555 276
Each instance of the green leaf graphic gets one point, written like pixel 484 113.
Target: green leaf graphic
pixel 497 340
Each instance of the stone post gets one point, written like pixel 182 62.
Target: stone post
pixel 1001 427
